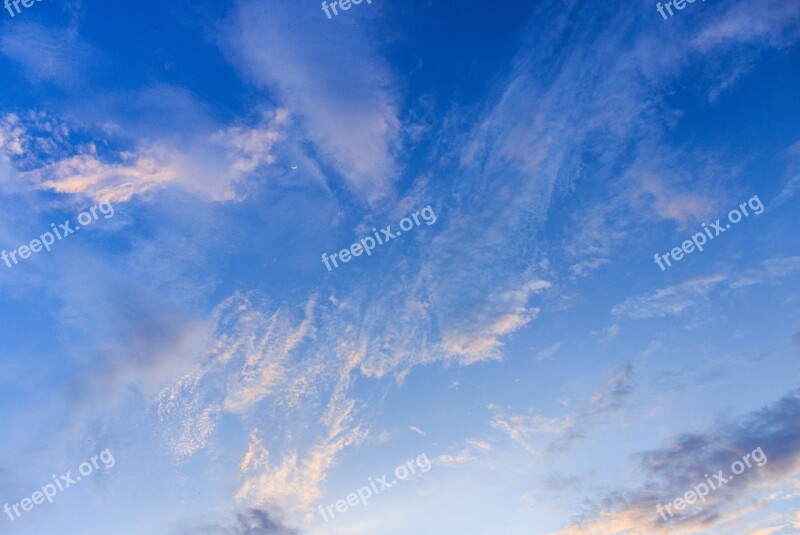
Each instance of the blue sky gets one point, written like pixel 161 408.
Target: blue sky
pixel 526 342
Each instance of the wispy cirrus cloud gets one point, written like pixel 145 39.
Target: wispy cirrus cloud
pixel 248 361
pixel 348 106
pixel 548 352
pixel 268 361
pixel 676 299
pixel 792 184
pixel 527 429
pixel 771 271
pixel 474 451
pixel 671 300
pixel 58 56
pixel 294 480
pixel 768 22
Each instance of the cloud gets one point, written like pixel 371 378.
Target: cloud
pixel 12 135
pixel 139 338
pixel 676 299
pixel 347 103
pixel 548 353
pixel 586 266
pixel 99 180
pixel 667 473
pixel 269 361
pixel 770 271
pixel 772 23
pixel 479 336
pixel 294 480
pixel 669 301
pixel 209 164
pixel 679 206
pixel 604 402
pixel 417 430
pixel 475 451
pixel 51 55
pixel 598 230
pixel 475 278
pixel 250 147
pixel 246 362
pixel 607 334
pixel 793 182
pixel 514 160
pixel 248 522
pixel 485 344
pixel 597 109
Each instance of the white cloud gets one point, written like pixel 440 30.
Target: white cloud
pixel 116 182
pixel 246 363
pixel 211 165
pixel 773 22
pixel 475 451
pixel 669 301
pixel 293 480
pixel 548 353
pixel 345 100
pixel 676 299
pixel 608 333
pixel 48 55
pixel 770 271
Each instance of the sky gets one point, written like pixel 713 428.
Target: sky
pixel 511 268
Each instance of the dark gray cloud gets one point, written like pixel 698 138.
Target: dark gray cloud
pixel 671 471
pixel 136 338
pixel 776 429
pixel 247 522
